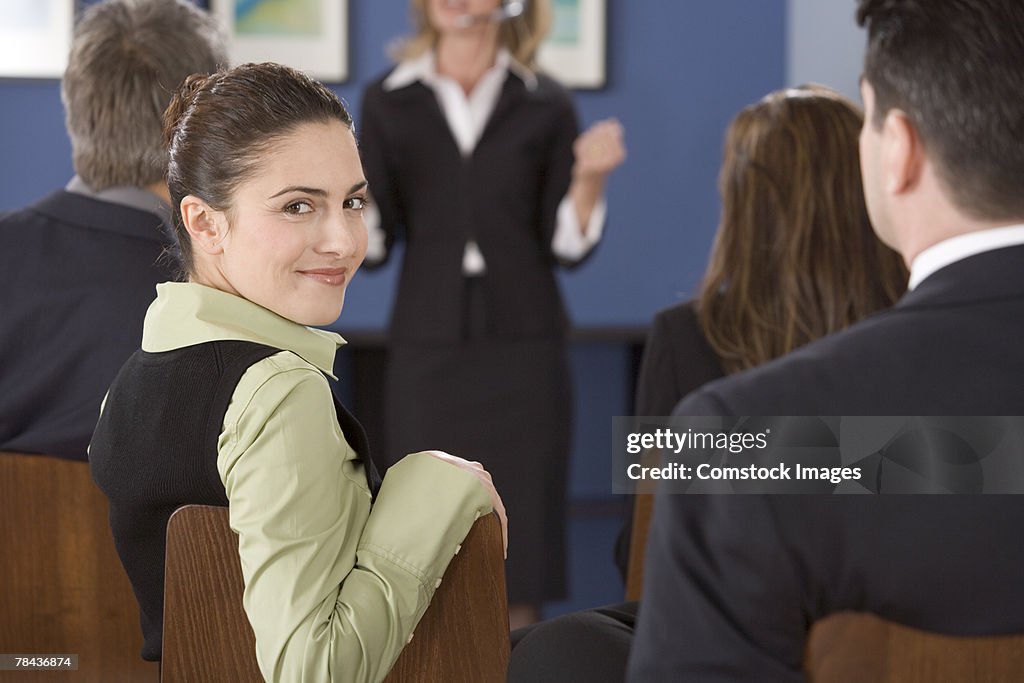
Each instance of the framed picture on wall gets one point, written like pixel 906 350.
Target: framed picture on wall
pixel 574 51
pixel 309 35
pixel 35 36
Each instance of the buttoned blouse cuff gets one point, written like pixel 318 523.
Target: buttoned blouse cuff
pixel 423 513
pixel 569 244
pixel 376 248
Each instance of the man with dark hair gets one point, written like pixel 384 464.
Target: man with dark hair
pixel 79 268
pixel 733 583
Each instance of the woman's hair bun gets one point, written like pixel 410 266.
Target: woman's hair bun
pixel 182 101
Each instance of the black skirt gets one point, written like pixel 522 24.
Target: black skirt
pixel 508 405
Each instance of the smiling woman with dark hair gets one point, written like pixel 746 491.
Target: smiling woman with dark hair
pixel 228 402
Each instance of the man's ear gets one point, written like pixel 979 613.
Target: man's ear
pixel 902 153
pixel 205 225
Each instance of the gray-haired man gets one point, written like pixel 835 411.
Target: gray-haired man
pixel 78 268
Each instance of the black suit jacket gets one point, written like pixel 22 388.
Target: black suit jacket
pixel 76 277
pixel 505 196
pixel 677 360
pixel 733 582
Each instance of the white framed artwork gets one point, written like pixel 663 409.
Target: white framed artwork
pixel 35 37
pixel 308 35
pixel 574 52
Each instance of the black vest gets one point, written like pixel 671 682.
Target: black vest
pixel 155 449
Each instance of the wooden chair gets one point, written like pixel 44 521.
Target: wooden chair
pixel 852 648
pixel 462 638
pixel 643 507
pixel 64 589
pixel 206 635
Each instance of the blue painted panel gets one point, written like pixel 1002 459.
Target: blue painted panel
pixel 602 389
pixel 593 579
pixel 35 153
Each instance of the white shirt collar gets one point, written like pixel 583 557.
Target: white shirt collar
pixel 960 247
pixel 424 68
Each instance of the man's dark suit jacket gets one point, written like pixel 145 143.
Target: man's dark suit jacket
pixel 734 582
pixel 76 277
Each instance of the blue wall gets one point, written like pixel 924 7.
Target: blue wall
pixel 677 72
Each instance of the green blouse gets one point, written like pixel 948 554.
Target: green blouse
pixel 333 587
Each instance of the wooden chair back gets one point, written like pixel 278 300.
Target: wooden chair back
pixel 206 635
pixel 462 638
pixel 64 589
pixel 853 647
pixel 643 508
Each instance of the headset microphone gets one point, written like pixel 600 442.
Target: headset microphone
pixel 508 10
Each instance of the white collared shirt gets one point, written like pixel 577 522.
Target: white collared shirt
pixel 467 117
pixel 960 247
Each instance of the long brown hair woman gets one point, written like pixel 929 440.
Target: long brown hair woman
pixel 794 258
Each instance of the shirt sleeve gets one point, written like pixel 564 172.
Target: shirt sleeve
pixel 556 176
pixel 376 239
pixel 333 588
pixel 569 244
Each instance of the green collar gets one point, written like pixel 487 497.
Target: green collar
pixel 186 313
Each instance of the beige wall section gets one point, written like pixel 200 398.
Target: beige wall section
pixel 824 44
